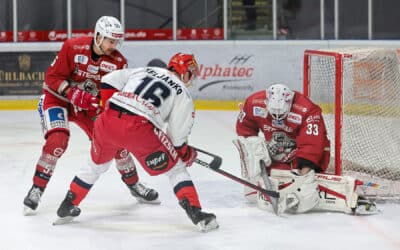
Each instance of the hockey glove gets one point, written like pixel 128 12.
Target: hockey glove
pixel 82 100
pixel 187 154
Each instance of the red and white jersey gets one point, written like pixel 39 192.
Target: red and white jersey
pixel 156 94
pixel 74 62
pixel 302 134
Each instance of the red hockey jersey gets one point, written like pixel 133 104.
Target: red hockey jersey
pixel 302 134
pixel 74 62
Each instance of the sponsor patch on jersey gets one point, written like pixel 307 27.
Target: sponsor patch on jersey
pixel 81 47
pixel 294 118
pixel 313 119
pixel 260 112
pixel 93 69
pixel 258 101
pixel 300 107
pixel 107 66
pixel 82 59
pixel 157 160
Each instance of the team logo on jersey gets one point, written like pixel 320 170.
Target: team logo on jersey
pixel 157 160
pixel 107 66
pixel 93 69
pixel 261 112
pixel 82 59
pixel 294 118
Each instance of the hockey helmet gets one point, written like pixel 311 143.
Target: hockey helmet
pixel 108 26
pixel 182 63
pixel 279 101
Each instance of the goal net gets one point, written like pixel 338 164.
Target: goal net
pixel 359 92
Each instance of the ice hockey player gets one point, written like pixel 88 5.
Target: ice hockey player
pixel 70 93
pixel 295 151
pixel 151 114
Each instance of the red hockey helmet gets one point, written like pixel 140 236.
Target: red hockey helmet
pixel 182 63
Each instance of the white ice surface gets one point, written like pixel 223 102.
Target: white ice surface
pixel 112 219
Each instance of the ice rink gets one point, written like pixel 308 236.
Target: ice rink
pixel 112 219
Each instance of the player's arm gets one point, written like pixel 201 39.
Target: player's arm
pixel 311 142
pixel 245 124
pixel 179 127
pixel 113 82
pixel 60 70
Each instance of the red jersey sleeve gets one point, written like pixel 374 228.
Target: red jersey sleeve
pixel 312 140
pixel 246 125
pixel 60 69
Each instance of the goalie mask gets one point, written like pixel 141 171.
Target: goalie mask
pixel 181 64
pixel 279 101
pixel 110 27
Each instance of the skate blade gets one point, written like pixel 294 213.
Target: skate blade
pixel 28 211
pixel 211 225
pixel 61 221
pixel 153 202
pixel 366 211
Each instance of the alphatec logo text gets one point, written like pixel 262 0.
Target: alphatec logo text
pixel 238 69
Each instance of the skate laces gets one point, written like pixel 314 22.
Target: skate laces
pixel 35 194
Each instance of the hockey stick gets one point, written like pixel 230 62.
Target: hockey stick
pixel 216 163
pixel 268 184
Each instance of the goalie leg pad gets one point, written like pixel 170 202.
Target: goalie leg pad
pixel 252 150
pixel 336 193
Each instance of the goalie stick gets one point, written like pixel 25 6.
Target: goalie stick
pixel 216 163
pixel 268 185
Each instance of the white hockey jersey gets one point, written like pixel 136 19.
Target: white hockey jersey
pixel 156 94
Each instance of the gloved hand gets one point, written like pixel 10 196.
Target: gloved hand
pixel 83 100
pixel 187 154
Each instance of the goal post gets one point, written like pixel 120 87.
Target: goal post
pixel 359 92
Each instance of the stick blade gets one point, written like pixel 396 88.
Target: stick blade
pixel 269 186
pixel 213 161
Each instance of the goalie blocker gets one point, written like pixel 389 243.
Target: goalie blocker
pixel 298 193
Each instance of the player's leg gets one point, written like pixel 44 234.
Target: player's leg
pixel 129 175
pixel 54 121
pixel 156 153
pixel 123 162
pixel 101 156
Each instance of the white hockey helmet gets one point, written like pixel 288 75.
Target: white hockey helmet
pixel 108 26
pixel 279 101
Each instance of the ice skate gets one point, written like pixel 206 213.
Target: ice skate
pixel 204 221
pixel 365 207
pixel 32 200
pixel 67 211
pixel 144 194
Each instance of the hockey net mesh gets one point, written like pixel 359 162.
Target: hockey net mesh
pixel 370 131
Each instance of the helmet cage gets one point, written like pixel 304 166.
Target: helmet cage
pixel 279 101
